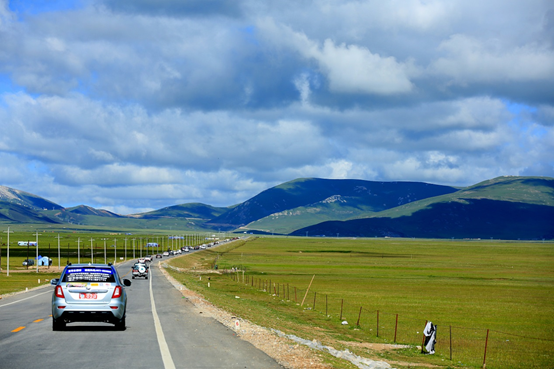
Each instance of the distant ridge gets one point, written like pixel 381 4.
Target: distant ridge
pixel 365 196
pixel 508 207
pixel 504 207
pixel 13 196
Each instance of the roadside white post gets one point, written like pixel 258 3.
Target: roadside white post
pixel 115 251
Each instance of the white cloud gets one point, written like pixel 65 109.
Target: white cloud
pixel 140 105
pixel 349 68
pixel 470 60
pixel 354 69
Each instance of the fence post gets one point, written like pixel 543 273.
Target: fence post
pixel 359 315
pixel 310 285
pixel 423 340
pixel 395 328
pixel 486 344
pixel 377 323
pixel 450 343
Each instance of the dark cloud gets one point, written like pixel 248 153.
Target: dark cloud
pixel 177 8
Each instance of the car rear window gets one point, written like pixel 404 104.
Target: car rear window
pixel 89 275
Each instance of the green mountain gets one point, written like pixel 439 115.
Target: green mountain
pixel 306 201
pixel 504 207
pixel 25 199
pixel 190 210
pixel 16 213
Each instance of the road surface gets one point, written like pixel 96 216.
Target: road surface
pixel 164 330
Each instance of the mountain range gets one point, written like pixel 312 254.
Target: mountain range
pixel 502 208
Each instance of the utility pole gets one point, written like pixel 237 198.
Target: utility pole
pixel 79 250
pixel 59 266
pixel 91 251
pixel 37 249
pixel 8 264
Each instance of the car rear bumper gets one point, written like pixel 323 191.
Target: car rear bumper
pixel 112 312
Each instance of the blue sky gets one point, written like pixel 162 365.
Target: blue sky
pixel 134 105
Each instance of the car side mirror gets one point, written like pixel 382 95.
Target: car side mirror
pixel 54 281
pixel 127 282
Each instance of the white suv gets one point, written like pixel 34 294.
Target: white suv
pixel 89 293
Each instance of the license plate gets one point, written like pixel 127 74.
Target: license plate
pixel 87 296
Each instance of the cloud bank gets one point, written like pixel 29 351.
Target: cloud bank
pixel 136 105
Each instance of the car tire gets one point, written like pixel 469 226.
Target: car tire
pixel 120 326
pixel 58 325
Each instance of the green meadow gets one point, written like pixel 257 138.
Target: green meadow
pixel 478 292
pixel 74 245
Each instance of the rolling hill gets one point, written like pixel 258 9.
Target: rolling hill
pixel 309 200
pixel 504 207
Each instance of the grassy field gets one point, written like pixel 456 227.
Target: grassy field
pixel 79 244
pixel 468 288
pixel 75 245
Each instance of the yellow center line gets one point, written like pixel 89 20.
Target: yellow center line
pixel 38 320
pixel 18 329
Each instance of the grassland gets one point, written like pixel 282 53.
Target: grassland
pixel 76 244
pixel 468 288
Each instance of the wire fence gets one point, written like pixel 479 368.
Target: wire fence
pixel 477 347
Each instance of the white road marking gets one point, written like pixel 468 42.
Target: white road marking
pixel 15 302
pixel 164 349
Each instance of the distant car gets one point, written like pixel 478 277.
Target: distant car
pixel 140 270
pixel 178 251
pixel 166 253
pixel 89 293
pixel 158 256
pixel 141 261
pixel 148 258
pixel 28 262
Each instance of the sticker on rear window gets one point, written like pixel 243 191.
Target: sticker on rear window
pixel 88 275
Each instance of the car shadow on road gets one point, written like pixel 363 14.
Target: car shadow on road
pixel 92 328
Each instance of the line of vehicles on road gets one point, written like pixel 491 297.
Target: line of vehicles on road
pixel 96 292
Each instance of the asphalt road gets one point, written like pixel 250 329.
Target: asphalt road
pixel 164 330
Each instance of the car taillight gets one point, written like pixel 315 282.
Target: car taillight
pixel 59 292
pixel 116 292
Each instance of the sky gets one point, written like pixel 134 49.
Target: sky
pixel 135 105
